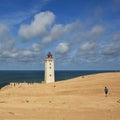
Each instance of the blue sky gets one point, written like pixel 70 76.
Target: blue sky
pixel 81 34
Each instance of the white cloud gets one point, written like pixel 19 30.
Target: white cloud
pixel 112 50
pixel 39 26
pixel 87 46
pixel 4 29
pixel 7 44
pixel 58 31
pixel 74 42
pixel 20 55
pixel 62 48
pixel 27 53
pixel 9 54
pixel 116 37
pixel 87 49
pixel 95 33
pixel 36 47
pixel 97 30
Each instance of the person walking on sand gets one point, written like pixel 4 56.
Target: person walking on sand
pixel 106 91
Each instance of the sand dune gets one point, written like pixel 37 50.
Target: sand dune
pixel 81 98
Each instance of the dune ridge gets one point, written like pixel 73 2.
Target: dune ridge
pixel 80 98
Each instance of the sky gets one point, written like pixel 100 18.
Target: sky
pixel 80 34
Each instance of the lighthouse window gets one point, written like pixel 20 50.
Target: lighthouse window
pixel 50 64
pixel 50 67
pixel 50 75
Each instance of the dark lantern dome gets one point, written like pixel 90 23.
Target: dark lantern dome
pixel 49 54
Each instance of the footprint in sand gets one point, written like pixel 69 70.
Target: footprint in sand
pixel 11 113
pixel 3 102
pixel 118 101
pixel 27 101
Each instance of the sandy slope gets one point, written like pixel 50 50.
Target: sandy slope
pixel 76 99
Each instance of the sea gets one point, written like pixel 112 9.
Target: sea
pixel 37 76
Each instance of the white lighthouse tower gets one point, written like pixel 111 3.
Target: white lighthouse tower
pixel 49 69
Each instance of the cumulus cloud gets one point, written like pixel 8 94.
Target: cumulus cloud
pixel 21 56
pixel 74 44
pixel 62 48
pixel 94 33
pixel 111 47
pixel 36 46
pixel 112 51
pixel 87 48
pixel 58 31
pixel 97 30
pixel 38 26
pixel 9 54
pixel 116 37
pixel 7 44
pixel 87 52
pixel 29 56
pixel 7 41
pixel 3 29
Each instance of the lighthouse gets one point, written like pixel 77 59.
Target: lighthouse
pixel 49 69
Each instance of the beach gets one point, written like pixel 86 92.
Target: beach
pixel 80 98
